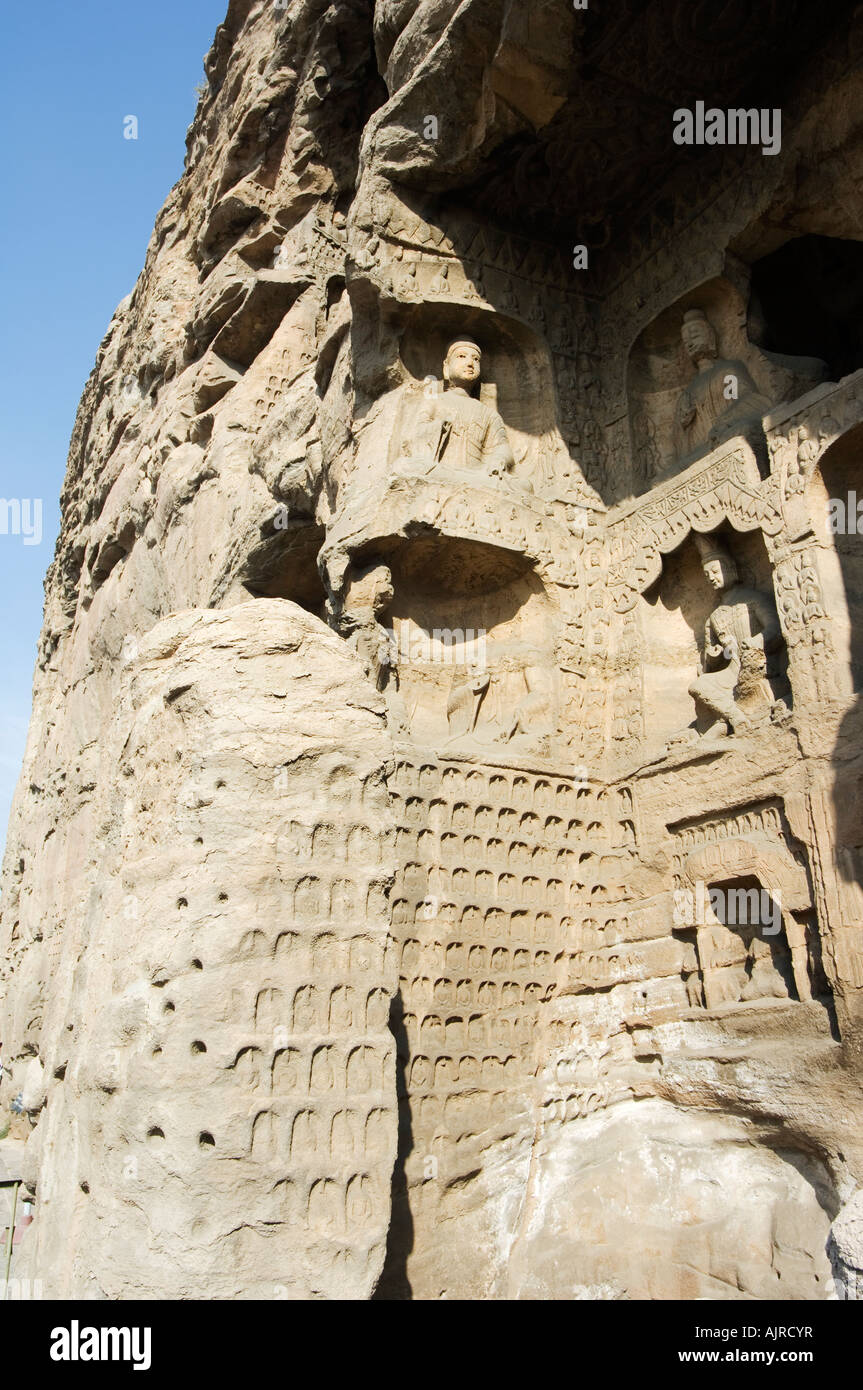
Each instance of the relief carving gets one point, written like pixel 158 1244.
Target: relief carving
pixel 369 595
pixel 498 465
pixel 742 638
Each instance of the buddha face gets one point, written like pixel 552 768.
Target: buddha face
pixel 462 365
pixel 698 339
pixel 720 573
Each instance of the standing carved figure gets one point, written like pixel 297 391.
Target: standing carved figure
pixel 741 640
pixel 466 694
pixel 368 597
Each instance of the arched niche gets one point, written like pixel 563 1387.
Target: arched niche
pixel 756 931
pixel 742 963
pixel 672 613
pixel 832 495
pixel 517 381
pixel 461 606
pixel 679 408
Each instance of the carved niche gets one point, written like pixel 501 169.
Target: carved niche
pixel 501 411
pixel 714 656
pixel 756 938
pixel 471 631
pixel 830 589
pixel 695 381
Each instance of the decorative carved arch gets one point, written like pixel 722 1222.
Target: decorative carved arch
pixel 783 878
pixel 727 488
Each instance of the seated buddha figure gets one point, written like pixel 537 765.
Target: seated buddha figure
pixel 452 427
pixel 720 400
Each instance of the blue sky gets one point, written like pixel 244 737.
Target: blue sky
pixel 78 205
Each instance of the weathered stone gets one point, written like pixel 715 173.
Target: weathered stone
pixel 226 1112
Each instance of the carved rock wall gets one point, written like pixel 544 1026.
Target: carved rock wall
pixel 217 1108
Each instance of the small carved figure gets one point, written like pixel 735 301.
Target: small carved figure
pixel 647 449
pixel 369 595
pixel 408 283
pixel 807 448
pixel 368 256
pixel 741 639
pixel 532 715
pixel 694 990
pixel 508 301
pixel 564 333
pixel 440 284
pixel 812 603
pixel 720 400
pixel 466 694
pixel 763 980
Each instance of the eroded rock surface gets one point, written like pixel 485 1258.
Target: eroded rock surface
pixel 226 1121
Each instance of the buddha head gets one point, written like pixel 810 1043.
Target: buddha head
pixel 720 570
pixel 461 367
pixel 698 337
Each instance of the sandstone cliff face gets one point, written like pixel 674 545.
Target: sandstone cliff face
pixel 215 1066
pixel 379 762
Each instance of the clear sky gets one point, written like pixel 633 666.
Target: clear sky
pixel 78 206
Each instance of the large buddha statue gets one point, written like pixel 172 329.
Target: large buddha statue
pixel 721 399
pixel 451 426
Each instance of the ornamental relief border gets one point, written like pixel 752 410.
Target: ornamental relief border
pixel 727 488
